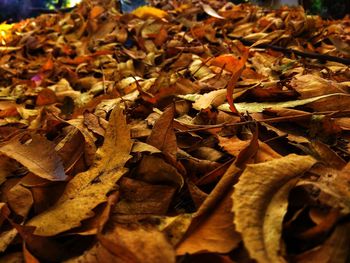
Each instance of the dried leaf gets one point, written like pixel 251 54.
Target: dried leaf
pixel 149 11
pixel 138 197
pixel 259 210
pixel 311 85
pixel 236 73
pixel 210 11
pixel 214 98
pixel 163 135
pixel 88 189
pixel 335 249
pixel 129 244
pixel 215 234
pixel 155 170
pixel 37 154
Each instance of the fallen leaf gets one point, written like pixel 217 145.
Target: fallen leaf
pixel 335 248
pixel 20 200
pixel 214 98
pixel 37 154
pixel 155 170
pixel 129 244
pixel 233 145
pixel 163 135
pixel 310 85
pixel 215 234
pixel 213 221
pixel 260 200
pixel 96 11
pixel 46 97
pixel 210 11
pixel 149 11
pixel 88 189
pixel 138 197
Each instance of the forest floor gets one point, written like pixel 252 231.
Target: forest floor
pixel 190 131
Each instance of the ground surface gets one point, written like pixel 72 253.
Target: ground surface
pixel 190 132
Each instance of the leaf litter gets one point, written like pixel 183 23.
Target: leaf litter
pixel 185 131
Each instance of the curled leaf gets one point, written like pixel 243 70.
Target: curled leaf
pixel 210 11
pixel 260 202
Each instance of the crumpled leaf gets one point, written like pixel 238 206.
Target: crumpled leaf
pixel 88 189
pixel 259 210
pixel 37 154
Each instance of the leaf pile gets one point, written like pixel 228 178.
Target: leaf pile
pixel 185 131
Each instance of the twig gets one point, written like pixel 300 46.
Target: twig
pixel 345 61
pixel 268 120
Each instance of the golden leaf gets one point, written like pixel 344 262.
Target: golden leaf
pixel 88 189
pixel 260 200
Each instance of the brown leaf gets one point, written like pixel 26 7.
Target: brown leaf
pixel 260 200
pixel 88 189
pixel 6 238
pixel 335 249
pixel 15 257
pixel 214 234
pixel 310 85
pixel 131 244
pixel 233 145
pixel 334 102
pixel 163 135
pixel 96 11
pixel 37 154
pixel 20 200
pixel 138 197
pixel 46 97
pixel 212 218
pixel 155 170
pixel 43 247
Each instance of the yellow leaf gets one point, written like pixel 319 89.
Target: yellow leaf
pixel 88 189
pixel 149 11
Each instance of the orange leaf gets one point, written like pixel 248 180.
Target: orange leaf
pixel 96 11
pixel 161 37
pixel 9 112
pixel 46 97
pixel 227 61
pixel 235 66
pixel 48 65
